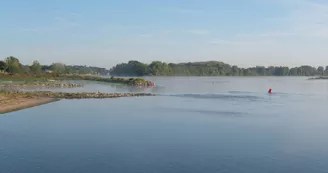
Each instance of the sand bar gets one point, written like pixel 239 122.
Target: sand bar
pixel 17 100
pixel 10 103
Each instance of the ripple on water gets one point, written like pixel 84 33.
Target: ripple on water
pixel 216 96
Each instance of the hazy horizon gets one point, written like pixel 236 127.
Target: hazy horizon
pixel 100 33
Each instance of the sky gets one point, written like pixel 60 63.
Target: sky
pixel 106 32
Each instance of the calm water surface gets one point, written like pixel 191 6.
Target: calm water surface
pixel 194 125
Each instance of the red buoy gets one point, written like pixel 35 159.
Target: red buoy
pixel 270 91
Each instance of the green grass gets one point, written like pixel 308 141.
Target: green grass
pixel 45 77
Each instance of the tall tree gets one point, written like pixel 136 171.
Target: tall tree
pixel 3 66
pixel 13 64
pixel 25 69
pixel 321 70
pixel 58 67
pixel 36 67
pixel 235 70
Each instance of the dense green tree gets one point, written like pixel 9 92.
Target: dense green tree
pixel 3 66
pixel 158 68
pixel 58 67
pixel 132 68
pixel 321 70
pixel 25 69
pixel 36 67
pixel 235 70
pixel 13 65
pixel 138 68
pixel 260 70
pixel 211 68
pixel 293 71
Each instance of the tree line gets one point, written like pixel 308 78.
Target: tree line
pixel 210 68
pixel 12 65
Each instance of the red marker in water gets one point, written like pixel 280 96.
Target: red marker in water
pixel 270 91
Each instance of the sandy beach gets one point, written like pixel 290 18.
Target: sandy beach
pixel 17 100
pixel 10 103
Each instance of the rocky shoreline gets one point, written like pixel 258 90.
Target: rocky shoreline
pixel 319 78
pixel 77 95
pixel 13 98
pixel 86 95
pixel 42 85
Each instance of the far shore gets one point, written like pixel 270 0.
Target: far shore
pixel 17 100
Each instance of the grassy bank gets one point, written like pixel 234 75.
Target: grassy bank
pixel 45 77
pixel 127 81
pixel 40 84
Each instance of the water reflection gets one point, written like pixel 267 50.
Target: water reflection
pixel 282 132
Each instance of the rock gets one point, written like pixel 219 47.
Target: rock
pixel 42 85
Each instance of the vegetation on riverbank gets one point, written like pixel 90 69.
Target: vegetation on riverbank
pixel 15 76
pixel 210 68
pixel 127 81
pixel 41 84
pixel 12 70
pixel 47 77
pixel 12 65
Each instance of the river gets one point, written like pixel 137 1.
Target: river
pixel 193 125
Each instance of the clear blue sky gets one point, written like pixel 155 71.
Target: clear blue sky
pixel 106 32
